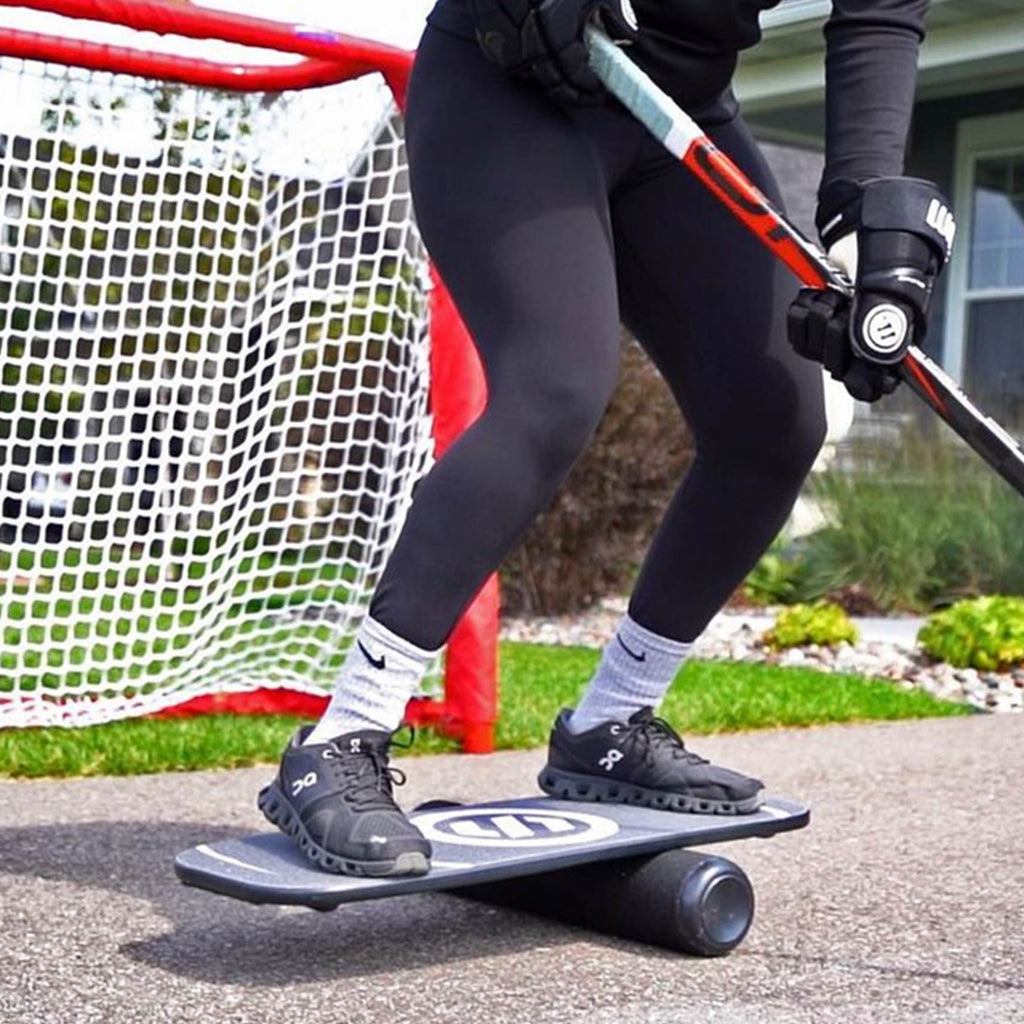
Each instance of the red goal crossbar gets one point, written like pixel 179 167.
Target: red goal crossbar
pixel 458 391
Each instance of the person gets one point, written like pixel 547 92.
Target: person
pixel 552 215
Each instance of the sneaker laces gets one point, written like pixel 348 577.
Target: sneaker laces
pixel 653 734
pixel 369 776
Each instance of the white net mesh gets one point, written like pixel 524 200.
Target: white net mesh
pixel 213 404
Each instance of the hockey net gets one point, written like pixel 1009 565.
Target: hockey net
pixel 216 368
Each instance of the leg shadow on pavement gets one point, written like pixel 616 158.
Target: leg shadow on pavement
pixel 221 940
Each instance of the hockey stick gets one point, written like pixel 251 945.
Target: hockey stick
pixel 684 139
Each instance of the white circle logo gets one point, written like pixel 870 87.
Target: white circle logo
pixel 512 826
pixel 885 328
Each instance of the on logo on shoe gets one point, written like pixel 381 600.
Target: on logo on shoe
pixel 513 827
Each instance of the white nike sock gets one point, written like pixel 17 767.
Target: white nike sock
pixel 635 672
pixel 380 674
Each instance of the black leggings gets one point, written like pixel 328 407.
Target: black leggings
pixel 549 225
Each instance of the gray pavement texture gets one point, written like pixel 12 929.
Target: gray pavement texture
pixel 902 902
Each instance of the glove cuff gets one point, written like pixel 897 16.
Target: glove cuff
pixel 910 205
pixel 838 210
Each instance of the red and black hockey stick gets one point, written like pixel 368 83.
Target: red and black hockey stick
pixel 685 140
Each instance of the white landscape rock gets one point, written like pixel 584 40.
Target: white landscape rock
pixel 737 636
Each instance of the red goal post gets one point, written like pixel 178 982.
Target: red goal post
pixel 457 394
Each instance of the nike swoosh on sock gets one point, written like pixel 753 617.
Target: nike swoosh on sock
pixel 642 656
pixel 377 663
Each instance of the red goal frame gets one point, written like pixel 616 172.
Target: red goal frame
pixel 468 710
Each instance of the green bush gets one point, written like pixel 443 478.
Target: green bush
pixel 777 578
pixel 820 623
pixel 915 524
pixel 985 633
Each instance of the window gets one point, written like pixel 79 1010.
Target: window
pixel 985 332
pixel 997 219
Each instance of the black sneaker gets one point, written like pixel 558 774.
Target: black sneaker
pixel 335 800
pixel 645 763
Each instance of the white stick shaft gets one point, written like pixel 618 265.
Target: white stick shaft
pixel 650 105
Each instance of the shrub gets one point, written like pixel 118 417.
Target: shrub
pixel 821 623
pixel 591 540
pixel 915 524
pixel 777 578
pixel 985 633
pixel 854 600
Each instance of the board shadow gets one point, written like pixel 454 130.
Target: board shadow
pixel 225 941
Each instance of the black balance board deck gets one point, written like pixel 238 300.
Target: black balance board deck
pixel 474 843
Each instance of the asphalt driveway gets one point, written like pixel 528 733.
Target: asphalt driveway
pixel 903 901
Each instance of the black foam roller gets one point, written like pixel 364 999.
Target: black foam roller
pixel 682 899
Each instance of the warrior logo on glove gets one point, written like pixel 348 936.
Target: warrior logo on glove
pixel 885 328
pixel 543 39
pixel 940 217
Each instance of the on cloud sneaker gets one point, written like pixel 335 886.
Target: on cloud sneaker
pixel 642 762
pixel 335 800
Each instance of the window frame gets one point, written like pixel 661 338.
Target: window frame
pixel 994 135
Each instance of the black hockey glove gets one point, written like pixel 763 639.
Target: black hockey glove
pixel 544 39
pixel 893 236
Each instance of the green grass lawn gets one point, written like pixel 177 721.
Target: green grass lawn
pixel 707 697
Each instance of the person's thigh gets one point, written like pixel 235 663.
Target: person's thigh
pixel 511 199
pixel 708 302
